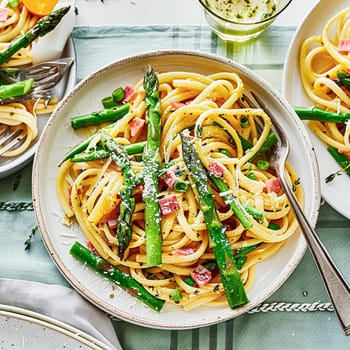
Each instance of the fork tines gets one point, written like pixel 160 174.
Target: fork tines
pixel 10 138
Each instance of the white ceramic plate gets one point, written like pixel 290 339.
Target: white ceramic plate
pixel 85 97
pixel 12 164
pixel 335 191
pixel 27 330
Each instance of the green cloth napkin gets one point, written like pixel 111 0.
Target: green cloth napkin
pixel 297 316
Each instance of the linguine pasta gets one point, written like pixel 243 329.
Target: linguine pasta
pixel 22 115
pixel 214 104
pixel 321 58
pixel 18 21
pixel 17 116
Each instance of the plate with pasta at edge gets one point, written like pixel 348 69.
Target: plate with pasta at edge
pixel 10 164
pixel 177 279
pixel 333 191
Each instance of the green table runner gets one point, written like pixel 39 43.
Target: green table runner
pixel 297 316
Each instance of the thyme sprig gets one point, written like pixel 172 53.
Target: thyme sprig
pixel 28 241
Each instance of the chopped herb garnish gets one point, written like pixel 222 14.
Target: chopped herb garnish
pixel 28 241
pixel 176 295
pixel 17 182
pixel 296 183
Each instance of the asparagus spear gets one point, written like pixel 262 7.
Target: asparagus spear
pixel 127 203
pixel 9 72
pixel 315 113
pixel 116 275
pixel 271 140
pixel 42 27
pixel 342 160
pixel 20 88
pixel 240 255
pixel 99 117
pixel 233 202
pixel 230 276
pixel 102 153
pixel 81 147
pixel 344 79
pixel 151 166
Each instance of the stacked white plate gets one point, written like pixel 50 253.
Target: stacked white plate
pixel 27 330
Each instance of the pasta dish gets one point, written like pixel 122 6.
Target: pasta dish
pixel 209 115
pixel 15 21
pixel 324 66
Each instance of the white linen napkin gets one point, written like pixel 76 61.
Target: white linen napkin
pixel 62 304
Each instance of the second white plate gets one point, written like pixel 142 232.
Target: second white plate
pixel 335 191
pixel 27 330
pixel 10 165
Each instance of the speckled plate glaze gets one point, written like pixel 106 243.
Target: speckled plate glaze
pixel 12 164
pixel 85 97
pixel 335 192
pixel 27 330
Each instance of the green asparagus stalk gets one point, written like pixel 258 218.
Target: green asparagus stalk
pixel 344 79
pixel 103 116
pixel 342 160
pixel 232 202
pixel 115 275
pixel 42 27
pixel 81 147
pixel 240 255
pixel 20 88
pixel 315 113
pixel 102 153
pixel 230 276
pixel 151 160
pixel 254 212
pixel 93 154
pixel 9 72
pixel 271 140
pixel 127 202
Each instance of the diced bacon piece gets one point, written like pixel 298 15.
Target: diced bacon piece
pixel 112 223
pixel 105 266
pixel 219 101
pixel 177 105
pixel 169 204
pixel 201 275
pixel 3 14
pixel 183 251
pixel 344 45
pixel 216 169
pixel 91 247
pixel 229 224
pixel 111 215
pixel 273 185
pixel 129 92
pixel 136 126
pixel 170 178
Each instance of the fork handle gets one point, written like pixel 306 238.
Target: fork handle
pixel 337 287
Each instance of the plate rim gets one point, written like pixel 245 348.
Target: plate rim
pixel 314 206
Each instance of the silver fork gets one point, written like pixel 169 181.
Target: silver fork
pixel 50 82
pixel 47 77
pixel 10 138
pixel 336 285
